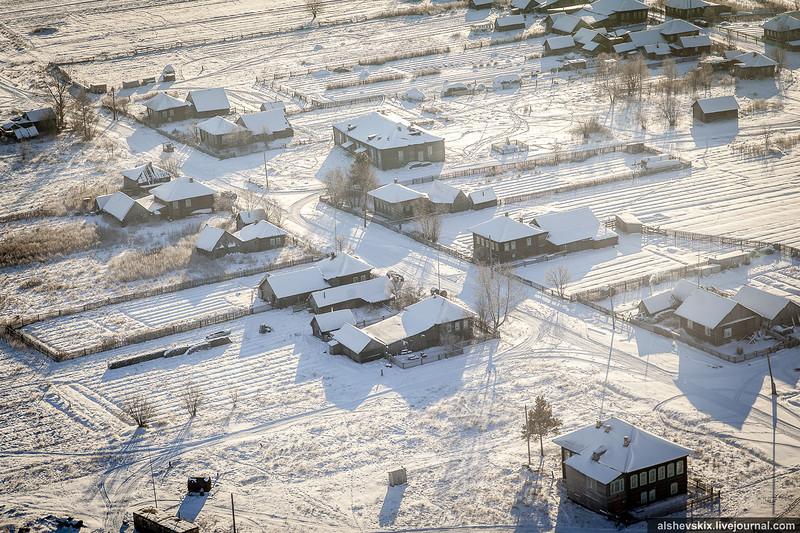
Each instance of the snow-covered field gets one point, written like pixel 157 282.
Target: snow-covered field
pixel 303 439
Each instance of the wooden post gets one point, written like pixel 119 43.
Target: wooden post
pixel 528 434
pixel 233 514
pixel 772 381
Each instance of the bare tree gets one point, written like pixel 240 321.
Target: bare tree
pixel 57 89
pixel 84 117
pixel 586 126
pixel 778 54
pixel 429 218
pixel 171 164
pixel 606 76
pixel 361 177
pixel 139 408
pixel 335 181
pixel 406 294
pixel 314 7
pixel 497 292
pixel 633 72
pixel 191 397
pixel 275 213
pixel 766 132
pixel 670 109
pixel 558 277
pixel 671 81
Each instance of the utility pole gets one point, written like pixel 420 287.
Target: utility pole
pixel 528 434
pixel 438 268
pixel 233 514
pixel 772 381
pixel 114 103
pixel 153 479
pixel 266 174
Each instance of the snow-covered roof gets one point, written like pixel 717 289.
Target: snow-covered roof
pixel 705 308
pixel 219 126
pixel 693 41
pixel 622 48
pixel 520 4
pixel 754 60
pixel 439 193
pixel 371 291
pixel 150 203
pixel 209 100
pixel 608 7
pixel 603 456
pixel 118 205
pixel 569 226
pixel 25 132
pixel 162 102
pixel 252 216
pixel 208 238
pixel 180 189
pixel 296 282
pixel 783 22
pixel 384 131
pixel 394 193
pixel 484 195
pixel 717 104
pixel 334 320
pixel 687 4
pixel 565 23
pixel 658 302
pixel 37 115
pixel 101 200
pixel 510 20
pixel 266 106
pixel 147 173
pixel 591 46
pixel 645 37
pixel 765 304
pixel 586 35
pixel 341 264
pixel 504 229
pixel 268 121
pixel 677 26
pixel 482 2
pixel 414 95
pixel 352 337
pixel 417 318
pixel 560 43
pixel 683 289
pixel 260 230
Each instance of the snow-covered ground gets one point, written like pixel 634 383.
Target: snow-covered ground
pixel 303 439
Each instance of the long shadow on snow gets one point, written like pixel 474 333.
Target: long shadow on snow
pixel 530 510
pixel 719 133
pixel 191 506
pixel 391 505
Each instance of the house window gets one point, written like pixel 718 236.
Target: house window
pixel 175 205
pixel 643 497
pixel 651 496
pixel 457 325
pixel 355 279
pixel 673 488
pixel 643 479
pixel 679 467
pixel 727 333
pixel 707 330
pixel 172 112
pixel 188 202
pixel 689 324
pixel 430 150
pixel 505 247
pixel 400 155
pixel 652 475
pixel 618 485
pixel 670 469
pixel 634 481
pixel 661 473
pixel 363 277
pixel 514 245
pixel 164 114
pixel 591 484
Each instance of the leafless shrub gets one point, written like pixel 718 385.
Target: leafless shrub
pixel 314 7
pixel 275 213
pixel 422 9
pixel 558 277
pixel 432 109
pixel 406 294
pixel 233 393
pixel 425 72
pixel 364 81
pixel 171 164
pixel 138 264
pixel 670 109
pixel 42 243
pixel 633 72
pixel 380 60
pixel 191 397
pixel 84 117
pixel 586 126
pixel 139 408
pixel 429 218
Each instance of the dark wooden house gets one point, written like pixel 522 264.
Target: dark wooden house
pixel 44 119
pixel 482 199
pixel 715 319
pixel 449 199
pixel 783 28
pixel 208 102
pixel 290 288
pixel 260 236
pixel 774 310
pixel 612 467
pixel 215 242
pixel 370 292
pixel 324 325
pixel 621 12
pixel 754 65
pixel 183 196
pixel 164 108
pixel 686 9
pixel 575 230
pixel 390 141
pixel 505 239
pixel 342 268
pixel 713 109
pixel 143 178
pixel 125 210
pixel 219 133
pixel 395 201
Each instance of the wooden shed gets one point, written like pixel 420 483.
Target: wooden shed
pixel 713 109
pixel 153 520
pixel 627 223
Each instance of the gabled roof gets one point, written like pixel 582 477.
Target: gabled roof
pixel 521 4
pixel 764 304
pixel 717 104
pixel 351 337
pixel 504 229
pixel 334 320
pixel 693 41
pixel 706 308
pixel 482 196
pixel 754 60
pixel 251 216
pixel 586 35
pixel 660 49
pixel 416 319
pixel 209 237
pixel 676 27
pixel 783 22
pixel 608 7
pixel 150 203
pixel 482 2
pixel 683 289
pixel 569 226
pixel 38 115
pixel 209 100
pixel 645 37
pixel 219 126
pixel 384 131
pixel 622 48
pixel 180 189
pixel 147 173
pixel 162 102
pixel 560 43
pixel 602 455
pixel 371 291
pixel 394 193
pixel 101 200
pixel 439 193
pixel 268 121
pixel 118 205
pixel 341 264
pixel 266 106
pixel 565 23
pixel 658 302
pixel 296 282
pixel 260 230
pixel 685 5
pixel 510 20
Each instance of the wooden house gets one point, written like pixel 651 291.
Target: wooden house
pixel 370 292
pixel 774 310
pixel 575 230
pixel 691 46
pixel 509 22
pixel 783 28
pixel 565 24
pixel 674 29
pixel 124 209
pixel 715 319
pixel 143 178
pixel 559 45
pixel 621 12
pixel 164 108
pixel 290 288
pixel 505 239
pixel 481 4
pixel 44 119
pixel 324 325
pixel 524 6
pixel 754 65
pixel 686 9
pixel 395 201
pixel 357 344
pixel 450 199
pixel 482 199
pixel 215 242
pixel 670 299
pixel 260 236
pixel 153 520
pixel 217 132
pixel 100 202
pixel 390 141
pixel 183 196
pixel 612 467
pixel 342 268
pixel 713 109
pixel 251 216
pixel 267 125
pixel 208 102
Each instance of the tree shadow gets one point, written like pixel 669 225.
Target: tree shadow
pixel 529 511
pixel 391 505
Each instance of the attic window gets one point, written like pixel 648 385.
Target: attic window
pixel 351 127
pixel 372 136
pixel 416 132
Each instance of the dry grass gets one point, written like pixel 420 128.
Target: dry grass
pixel 426 9
pixel 364 81
pixel 143 264
pixel 42 243
pixel 380 60
pixel 426 72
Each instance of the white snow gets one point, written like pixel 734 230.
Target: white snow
pixel 761 302
pixel 180 189
pixel 504 229
pixel 384 131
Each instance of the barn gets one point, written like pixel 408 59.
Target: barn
pixel 183 196
pixel 44 119
pixel 125 209
pixel 357 344
pixel 715 319
pixel 717 108
pixel 450 199
pixel 482 199
pixel 612 466
pixel 505 239
pixel 208 102
pixel 559 45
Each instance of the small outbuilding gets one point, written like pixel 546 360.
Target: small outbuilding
pixel 481 4
pixel 164 108
pixel 215 242
pixel 153 520
pixel 372 291
pixel 251 216
pixel 209 102
pixel 183 196
pixel 559 45
pixel 509 22
pixel 713 109
pixel 324 325
pixel 774 310
pixel 627 223
pixel 482 199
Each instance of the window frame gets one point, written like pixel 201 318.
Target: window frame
pixel 633 482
